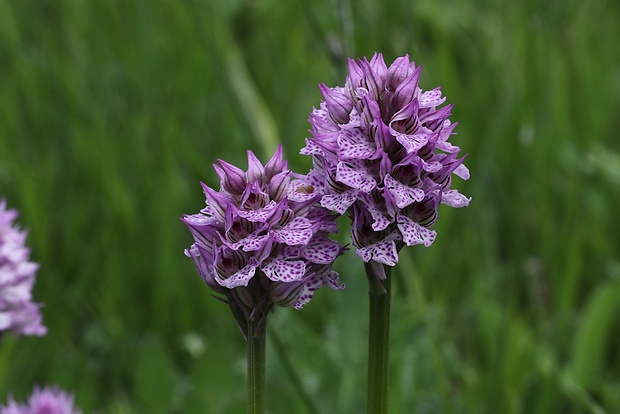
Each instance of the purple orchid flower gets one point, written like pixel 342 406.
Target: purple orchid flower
pixel 381 154
pixel 262 239
pixel 51 400
pixel 18 314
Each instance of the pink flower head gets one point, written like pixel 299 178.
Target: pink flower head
pixel 381 154
pixel 262 238
pixel 51 400
pixel 18 314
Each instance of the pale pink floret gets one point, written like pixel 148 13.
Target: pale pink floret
pixel 51 400
pixel 18 313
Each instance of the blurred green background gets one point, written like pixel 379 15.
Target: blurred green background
pixel 112 112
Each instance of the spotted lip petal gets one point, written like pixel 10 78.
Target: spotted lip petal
pixel 298 294
pixel 413 233
pixel 259 215
pixel 380 216
pixel 286 266
pixel 298 232
pixel 239 278
pixel 403 194
pixel 339 203
pixel 322 251
pixel 383 251
pixel 353 174
pixel 354 145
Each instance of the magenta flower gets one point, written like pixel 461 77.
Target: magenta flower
pixel 381 154
pixel 262 239
pixel 18 313
pixel 50 400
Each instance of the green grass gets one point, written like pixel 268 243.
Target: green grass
pixel 113 112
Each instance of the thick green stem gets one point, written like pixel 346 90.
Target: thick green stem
pixel 256 369
pixel 378 341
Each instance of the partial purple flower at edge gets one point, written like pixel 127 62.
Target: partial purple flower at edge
pixel 381 154
pixel 50 400
pixel 18 314
pixel 262 239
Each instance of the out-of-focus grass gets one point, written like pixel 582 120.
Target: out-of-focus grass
pixel 112 112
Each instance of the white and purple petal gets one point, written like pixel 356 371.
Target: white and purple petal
pixel 240 277
pixel 413 233
pixel 298 232
pixel 339 202
pixel 354 144
pixel 322 251
pixel 454 199
pixel 259 215
pixel 403 194
pixel 286 267
pixel 383 252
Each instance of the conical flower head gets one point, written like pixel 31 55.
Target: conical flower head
pixel 18 314
pixel 50 400
pixel 262 238
pixel 381 153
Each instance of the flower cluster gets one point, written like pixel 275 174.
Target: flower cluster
pixel 17 275
pixel 43 401
pixel 381 154
pixel 262 238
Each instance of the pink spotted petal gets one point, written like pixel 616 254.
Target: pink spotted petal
pixel 307 291
pixel 413 233
pixel 314 283
pixel 455 199
pixel 432 166
pixel 332 281
pixel 379 216
pixel 242 277
pixel 324 252
pixel 412 143
pixel 316 179
pixel 431 99
pixel 249 244
pixel 284 270
pixel 354 119
pixel 311 148
pixel 339 203
pixel 403 194
pixel 383 252
pixel 289 252
pixel 260 215
pixel 355 177
pixel 353 144
pixel 297 232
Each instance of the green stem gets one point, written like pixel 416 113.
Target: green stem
pixel 378 340
pixel 281 354
pixel 256 369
